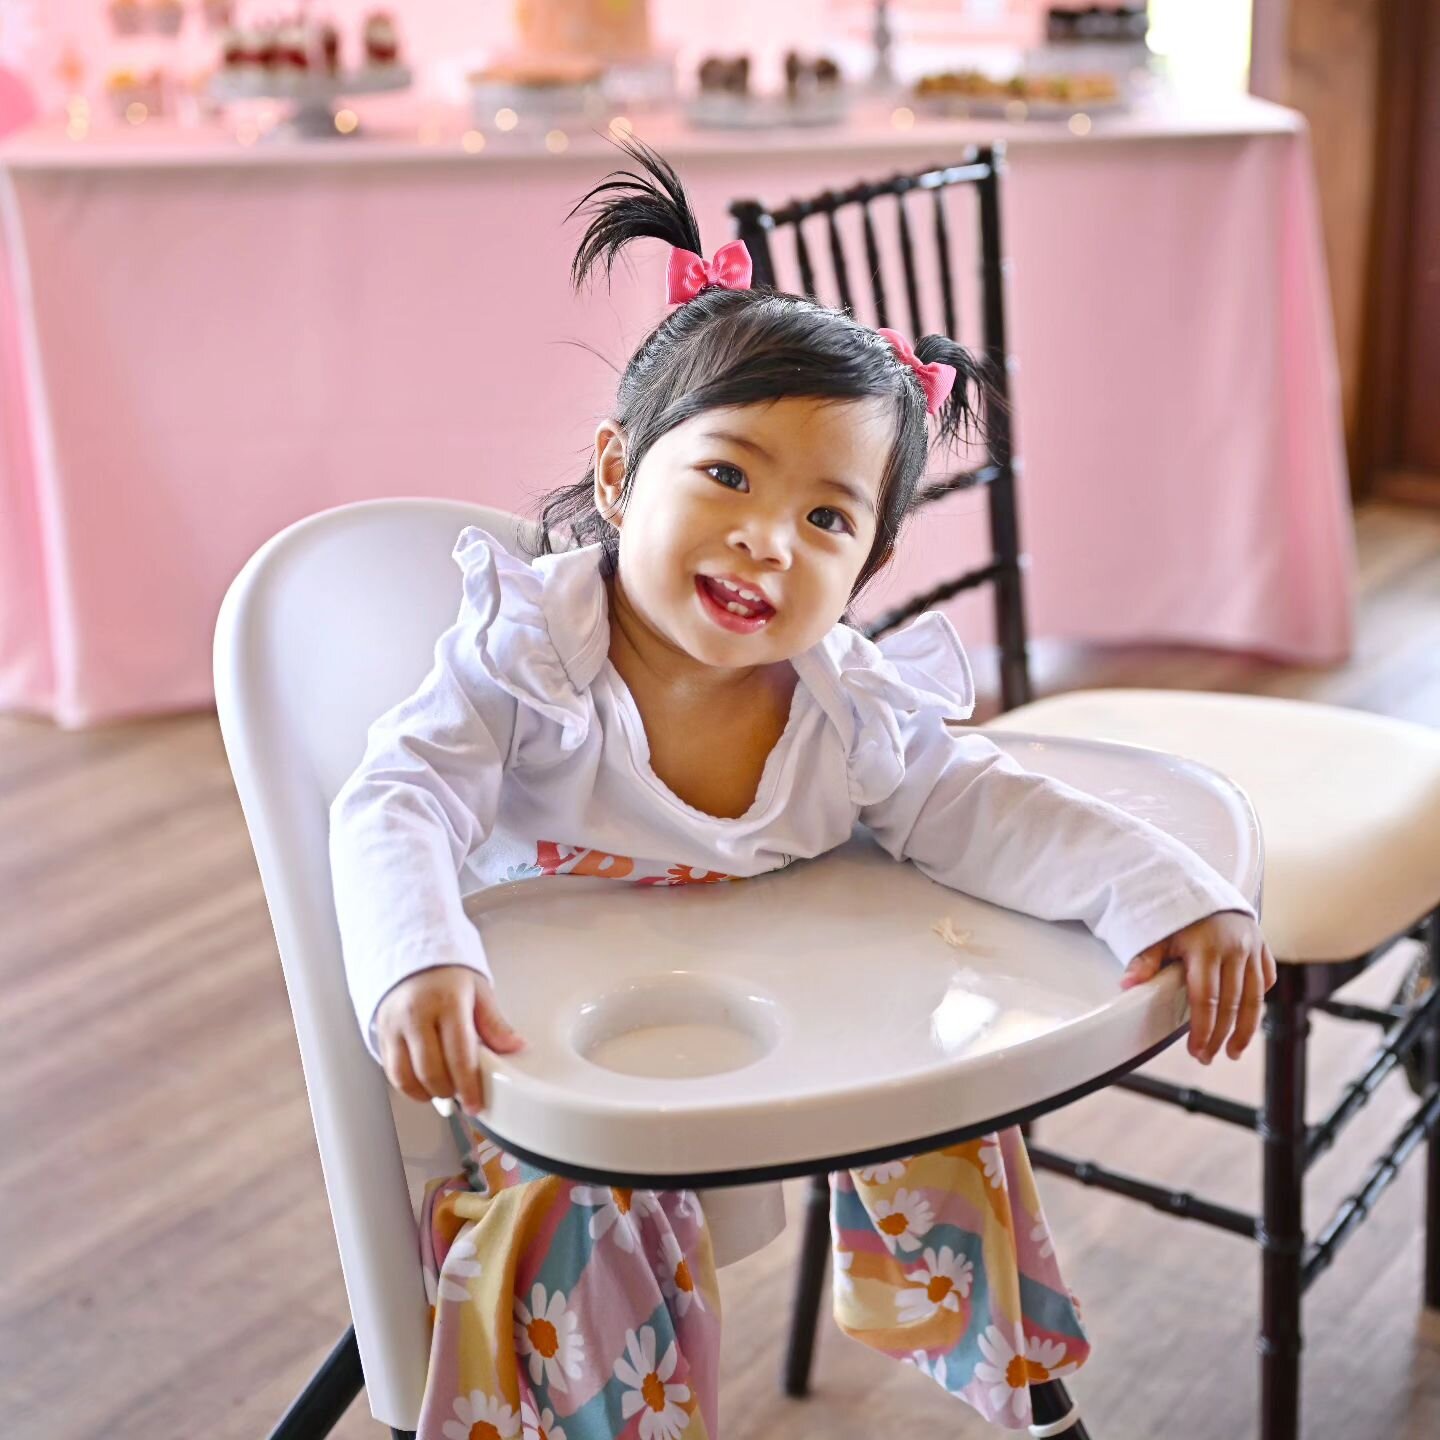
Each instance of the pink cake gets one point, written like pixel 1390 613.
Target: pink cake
pixel 593 30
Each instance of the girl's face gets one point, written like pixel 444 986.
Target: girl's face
pixel 746 528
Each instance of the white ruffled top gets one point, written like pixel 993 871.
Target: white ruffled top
pixel 522 756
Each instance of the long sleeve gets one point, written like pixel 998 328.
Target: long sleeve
pixel 970 817
pixel 424 797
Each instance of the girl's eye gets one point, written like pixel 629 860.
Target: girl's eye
pixel 728 476
pixel 831 520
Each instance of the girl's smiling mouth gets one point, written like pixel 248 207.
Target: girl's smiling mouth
pixel 732 604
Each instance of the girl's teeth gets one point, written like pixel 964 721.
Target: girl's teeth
pixel 737 609
pixel 753 596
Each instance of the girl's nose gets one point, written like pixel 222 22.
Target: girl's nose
pixel 765 542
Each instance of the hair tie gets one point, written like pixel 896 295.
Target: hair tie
pixel 688 273
pixel 936 379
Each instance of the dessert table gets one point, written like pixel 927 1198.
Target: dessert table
pixel 202 340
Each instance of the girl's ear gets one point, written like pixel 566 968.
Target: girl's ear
pixel 610 471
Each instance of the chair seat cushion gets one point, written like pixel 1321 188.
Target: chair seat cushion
pixel 1349 803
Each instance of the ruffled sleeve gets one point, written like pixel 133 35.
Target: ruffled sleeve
pixel 426 793
pixel 509 613
pixel 871 690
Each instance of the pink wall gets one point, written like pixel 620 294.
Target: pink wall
pixel 440 33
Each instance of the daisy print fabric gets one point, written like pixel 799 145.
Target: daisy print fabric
pixel 566 1311
pixel 563 1311
pixel 948 1265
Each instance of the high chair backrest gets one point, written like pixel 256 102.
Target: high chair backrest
pixel 328 625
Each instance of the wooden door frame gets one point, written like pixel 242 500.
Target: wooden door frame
pixel 1379 439
pixel 1269 48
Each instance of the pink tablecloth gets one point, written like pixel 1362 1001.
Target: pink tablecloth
pixel 200 344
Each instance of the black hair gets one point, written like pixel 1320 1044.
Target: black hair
pixel 740 347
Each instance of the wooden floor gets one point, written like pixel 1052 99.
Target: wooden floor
pixel 168 1265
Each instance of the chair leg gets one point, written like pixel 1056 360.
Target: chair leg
pixel 1431 1052
pixel 1281 1232
pixel 814 1252
pixel 316 1411
pixel 1055 1413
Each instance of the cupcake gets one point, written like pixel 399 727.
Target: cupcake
pixel 292 46
pixel 166 16
pixel 266 46
pixel 127 17
pixel 719 75
pixel 330 48
pixel 234 52
pixel 382 44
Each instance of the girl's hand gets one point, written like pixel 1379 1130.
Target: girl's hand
pixel 1228 969
pixel 430 1028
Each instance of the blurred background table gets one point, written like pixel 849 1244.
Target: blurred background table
pixel 201 341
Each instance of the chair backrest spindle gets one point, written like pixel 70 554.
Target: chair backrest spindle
pixel 872 260
pixel 949 313
pixel 907 256
pixel 837 257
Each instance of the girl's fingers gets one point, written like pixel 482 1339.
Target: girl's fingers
pixel 1145 966
pixel 429 1061
pixel 495 1029
pixel 400 1072
pixel 462 1058
pixel 1251 1005
pixel 1267 961
pixel 1202 976
pixel 1233 969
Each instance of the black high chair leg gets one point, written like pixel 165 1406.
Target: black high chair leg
pixel 814 1255
pixel 316 1411
pixel 1051 1405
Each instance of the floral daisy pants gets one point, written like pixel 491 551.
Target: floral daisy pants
pixel 565 1311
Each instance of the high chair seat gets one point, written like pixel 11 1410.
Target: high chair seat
pixel 1349 802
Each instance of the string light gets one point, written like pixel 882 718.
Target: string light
pixel 346 121
pixel 506 119
pixel 1079 124
pixel 472 142
pixel 1016 110
pixel 137 112
pixel 621 126
pixel 556 141
pixel 903 118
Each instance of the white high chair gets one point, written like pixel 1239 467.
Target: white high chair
pixel 747 997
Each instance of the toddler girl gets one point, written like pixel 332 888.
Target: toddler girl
pixel 669 695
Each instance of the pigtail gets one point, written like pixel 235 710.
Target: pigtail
pixel 626 206
pixel 973 400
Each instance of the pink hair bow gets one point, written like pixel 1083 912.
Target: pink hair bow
pixel 688 273
pixel 936 379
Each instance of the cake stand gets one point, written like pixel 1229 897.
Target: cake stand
pixel 709 111
pixel 313 96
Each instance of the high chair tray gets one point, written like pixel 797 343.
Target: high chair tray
pixel 845 1009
